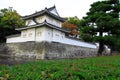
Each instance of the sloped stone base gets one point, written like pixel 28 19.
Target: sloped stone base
pixel 44 50
pixel 58 50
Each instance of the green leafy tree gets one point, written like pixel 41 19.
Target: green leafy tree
pixel 74 20
pixel 102 18
pixel 9 20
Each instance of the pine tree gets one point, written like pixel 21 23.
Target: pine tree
pixel 102 18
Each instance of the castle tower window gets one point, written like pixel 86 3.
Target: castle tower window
pixel 62 36
pixel 24 35
pixel 39 33
pixel 57 35
pixel 30 34
pixel 48 33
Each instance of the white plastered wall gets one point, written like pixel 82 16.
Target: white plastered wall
pixel 40 19
pixel 28 35
pixel 14 39
pixel 78 43
pixel 40 34
pixel 58 36
pixel 30 22
pixel 53 21
pixel 48 34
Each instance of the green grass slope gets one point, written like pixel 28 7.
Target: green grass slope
pixel 98 68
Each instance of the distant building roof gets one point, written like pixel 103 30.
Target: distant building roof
pixel 45 11
pixel 45 23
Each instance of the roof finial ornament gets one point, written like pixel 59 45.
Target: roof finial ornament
pixel 45 20
pixel 54 5
pixel 45 7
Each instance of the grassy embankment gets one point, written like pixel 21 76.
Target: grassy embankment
pixel 98 68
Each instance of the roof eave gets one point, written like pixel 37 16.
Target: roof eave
pixel 42 13
pixel 42 24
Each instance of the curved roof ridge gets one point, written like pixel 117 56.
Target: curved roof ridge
pixel 51 8
pixel 45 11
pixel 44 23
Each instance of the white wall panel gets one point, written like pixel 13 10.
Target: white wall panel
pixel 53 21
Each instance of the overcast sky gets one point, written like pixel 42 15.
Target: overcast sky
pixel 66 8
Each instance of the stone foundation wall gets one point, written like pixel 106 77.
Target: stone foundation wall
pixel 44 50
pixel 58 50
pixel 23 51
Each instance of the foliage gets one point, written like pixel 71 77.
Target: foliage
pixel 72 24
pixel 74 20
pixel 102 18
pixel 73 28
pixel 9 20
pixel 99 68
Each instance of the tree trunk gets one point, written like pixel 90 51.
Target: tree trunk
pixel 101 48
pixel 101 45
pixel 111 51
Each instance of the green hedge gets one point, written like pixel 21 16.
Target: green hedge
pixel 98 68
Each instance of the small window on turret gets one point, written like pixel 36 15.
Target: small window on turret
pixel 62 36
pixel 48 33
pixel 24 35
pixel 57 35
pixel 30 34
pixel 39 33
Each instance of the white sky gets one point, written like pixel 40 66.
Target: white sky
pixel 66 8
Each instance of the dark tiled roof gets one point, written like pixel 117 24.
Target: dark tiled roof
pixel 45 11
pixel 51 8
pixel 15 35
pixel 44 24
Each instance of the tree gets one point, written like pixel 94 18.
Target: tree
pixel 73 28
pixel 102 18
pixel 72 24
pixel 9 20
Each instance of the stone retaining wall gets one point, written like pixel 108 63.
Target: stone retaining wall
pixel 58 50
pixel 44 50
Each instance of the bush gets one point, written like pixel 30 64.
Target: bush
pixel 98 68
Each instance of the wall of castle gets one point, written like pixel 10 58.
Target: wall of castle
pixel 47 34
pixel 44 50
pixel 28 35
pixel 53 21
pixel 40 34
pixel 14 39
pixel 58 36
pixel 22 51
pixel 71 41
pixel 29 22
pixel 40 19
pixel 34 34
pixel 59 50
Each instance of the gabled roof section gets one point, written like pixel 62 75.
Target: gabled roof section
pixel 48 11
pixel 45 23
pixel 53 10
